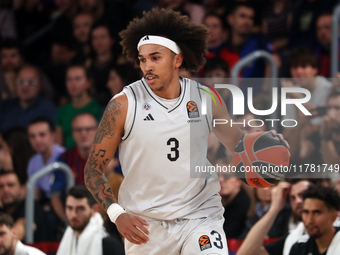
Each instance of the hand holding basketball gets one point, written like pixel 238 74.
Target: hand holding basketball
pixel 261 158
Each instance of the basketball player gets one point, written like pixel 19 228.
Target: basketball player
pixel 161 133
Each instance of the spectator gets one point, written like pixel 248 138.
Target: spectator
pixel 86 234
pixel 302 32
pixel 15 152
pixel 12 197
pixel 217 36
pixel 121 76
pixel 10 245
pixel 12 60
pixel 82 24
pixel 303 65
pixel 30 20
pixel 264 200
pixel 7 27
pixel 78 85
pixel 326 141
pixel 194 11
pixel 217 71
pixel 276 22
pixel 253 244
pixel 324 36
pixel 104 55
pixel 114 13
pixel 84 126
pixel 41 134
pixel 235 201
pixel 242 42
pixel 28 105
pixel 320 210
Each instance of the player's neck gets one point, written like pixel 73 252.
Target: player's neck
pixel 172 91
pixel 325 240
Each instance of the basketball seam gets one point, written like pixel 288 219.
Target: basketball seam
pixel 270 147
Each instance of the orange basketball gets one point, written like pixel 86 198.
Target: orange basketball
pixel 261 159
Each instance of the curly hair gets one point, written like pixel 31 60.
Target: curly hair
pixel 191 38
pixel 328 195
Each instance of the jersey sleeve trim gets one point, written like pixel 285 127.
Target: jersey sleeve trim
pixel 129 129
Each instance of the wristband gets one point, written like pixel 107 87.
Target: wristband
pixel 114 211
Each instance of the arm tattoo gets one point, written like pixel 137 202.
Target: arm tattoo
pixel 108 122
pixel 97 183
pixel 95 179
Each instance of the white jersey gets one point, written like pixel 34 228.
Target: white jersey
pixel 160 146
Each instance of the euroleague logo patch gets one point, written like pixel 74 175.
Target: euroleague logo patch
pixel 204 242
pixel 192 110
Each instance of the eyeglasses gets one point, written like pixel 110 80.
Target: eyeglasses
pixel 87 129
pixel 26 82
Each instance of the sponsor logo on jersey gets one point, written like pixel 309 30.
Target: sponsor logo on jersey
pixel 192 110
pixel 146 106
pixel 204 242
pixel 149 117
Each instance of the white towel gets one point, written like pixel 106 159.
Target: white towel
pixel 89 242
pixel 334 247
pixel 293 237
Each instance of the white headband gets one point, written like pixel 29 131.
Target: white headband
pixel 159 40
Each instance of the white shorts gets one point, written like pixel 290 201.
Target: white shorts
pixel 204 236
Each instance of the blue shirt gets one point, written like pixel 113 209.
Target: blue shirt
pixel 13 115
pixel 36 163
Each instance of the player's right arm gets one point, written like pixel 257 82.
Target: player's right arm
pixel 106 141
pixel 253 244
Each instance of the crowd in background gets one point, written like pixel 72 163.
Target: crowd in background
pixel 61 63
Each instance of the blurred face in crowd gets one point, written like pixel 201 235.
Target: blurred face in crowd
pixel 11 59
pixel 115 83
pixel 242 20
pixel 82 24
pixel 7 240
pixel 264 194
pixel 229 184
pixel 295 197
pixel 324 29
pixel 28 84
pixel 304 75
pixel 84 130
pixel 333 104
pixel 76 81
pixel 101 40
pixel 317 217
pixel 11 192
pixel 78 213
pixel 88 5
pixel 215 29
pixel 41 137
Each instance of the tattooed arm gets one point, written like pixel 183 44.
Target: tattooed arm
pixel 109 133
pixel 106 141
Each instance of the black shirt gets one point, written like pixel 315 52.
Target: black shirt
pixel 276 248
pixel 41 233
pixel 235 215
pixel 307 248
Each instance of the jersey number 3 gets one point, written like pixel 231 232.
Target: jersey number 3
pixel 174 148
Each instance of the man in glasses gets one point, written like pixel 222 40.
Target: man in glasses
pixel 28 105
pixel 84 127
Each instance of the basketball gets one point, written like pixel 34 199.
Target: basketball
pixel 261 159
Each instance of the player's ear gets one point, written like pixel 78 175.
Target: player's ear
pixel 178 60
